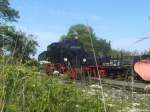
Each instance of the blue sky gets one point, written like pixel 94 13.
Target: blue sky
pixel 121 21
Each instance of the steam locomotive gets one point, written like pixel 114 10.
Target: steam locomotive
pixel 70 55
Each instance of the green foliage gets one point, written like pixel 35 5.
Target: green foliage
pixel 22 45
pixel 22 88
pixel 17 43
pixel 85 34
pixel 120 53
pixel 7 13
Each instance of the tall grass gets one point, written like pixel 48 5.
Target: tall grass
pixel 24 89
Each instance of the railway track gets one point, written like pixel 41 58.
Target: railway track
pixel 137 86
pixel 118 84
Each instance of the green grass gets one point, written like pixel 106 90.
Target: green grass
pixel 23 89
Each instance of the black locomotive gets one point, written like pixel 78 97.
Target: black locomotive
pixel 71 51
pixel 72 54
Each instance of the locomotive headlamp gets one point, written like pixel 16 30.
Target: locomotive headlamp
pixel 76 37
pixel 84 60
pixel 65 59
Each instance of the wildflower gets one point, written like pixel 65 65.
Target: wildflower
pixel 34 85
pixel 110 105
pixel 77 106
pixel 61 75
pixel 92 90
pixel 133 110
pixel 134 92
pixel 91 93
pixel 135 104
pixel 56 73
pixel 106 95
pixel 147 88
pixel 96 86
pixel 83 91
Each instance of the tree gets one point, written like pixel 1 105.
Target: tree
pixel 7 13
pixel 85 34
pixel 17 43
pixel 120 53
pixel 21 45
